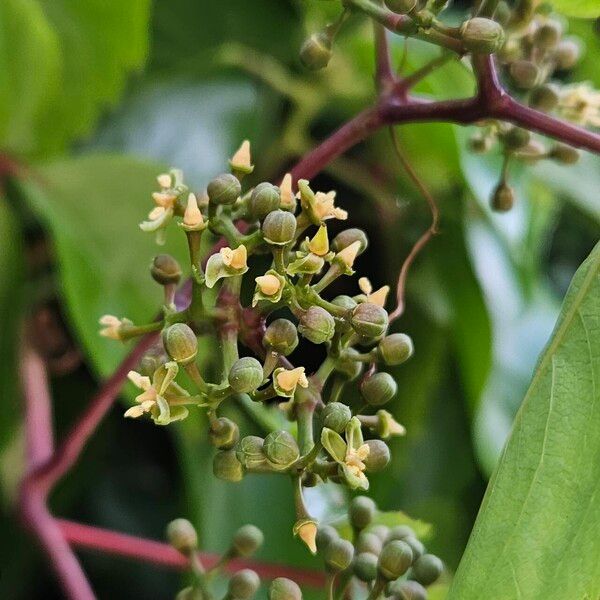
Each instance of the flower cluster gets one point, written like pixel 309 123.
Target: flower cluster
pixel 329 438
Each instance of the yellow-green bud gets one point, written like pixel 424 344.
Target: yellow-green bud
pixel 338 555
pixel 315 52
pixel 481 35
pixel 378 389
pixel 181 343
pixel 394 560
pixel 361 511
pixel 246 375
pixel 281 448
pixel 524 73
pixel 281 336
pixel 564 154
pixel 227 467
pixel 347 237
pixel 503 197
pixel 244 584
pixel 336 416
pixel 369 320
pixel 480 143
pixel 247 540
pixel 250 451
pixel 325 535
pixel 516 138
pixel 415 545
pixel 284 589
pixel 395 349
pixel 349 368
pixel 224 189
pixel 279 227
pixel 364 566
pixel 345 302
pixel 224 433
pixel 381 531
pixel 265 198
pixel 182 536
pixel 165 270
pixel 401 7
pixel 503 13
pixel 544 98
pixel 408 590
pixel 400 532
pixel 427 569
pixel 189 593
pixel 548 35
pixel 379 456
pixel 370 542
pixel 317 325
pixel 567 54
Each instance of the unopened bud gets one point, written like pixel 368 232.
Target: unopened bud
pixel 279 227
pixel 224 189
pixel 241 161
pixel 338 555
pixel 378 389
pixel 516 138
pixel 326 534
pixel 408 590
pixel 503 197
pixel 547 35
pixel 317 325
pixel 348 367
pixel 250 452
pixel 361 511
pixel 369 320
pixel 316 52
pixel 336 416
pixel 400 532
pixel 395 349
pixel 284 589
pixel 246 375
pixel 364 566
pixel 247 540
pixel 244 584
pixel 281 336
pixel 181 343
pixel 281 449
pixel 427 569
pixel 344 238
pixel 227 467
pixel 524 74
pixel 567 54
pixel 224 433
pixel 264 199
pixel 566 155
pixel 165 270
pixel 370 542
pixel 401 7
pixel 378 457
pixel 481 35
pixel 415 545
pixel 544 98
pixel 182 536
pixel 394 560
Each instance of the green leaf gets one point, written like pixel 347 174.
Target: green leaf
pixel 390 518
pixel 585 9
pixel 63 63
pixel 537 532
pixel 92 205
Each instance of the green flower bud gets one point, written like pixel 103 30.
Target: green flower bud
pixel 381 531
pixel 415 545
pixel 379 456
pixel 345 302
pixel 394 560
pixel 544 98
pixel 395 349
pixel 224 433
pixel 548 35
pixel 408 590
pixel 317 325
pixel 281 449
pixel 567 54
pixel 482 35
pixel 369 542
pixel 165 270
pixel 427 569
pixel 244 584
pixel 250 452
pixel 564 154
pixel 224 189
pixel 480 144
pixel 265 198
pixel 279 227
pixel 503 197
pixel 349 368
pixel 281 336
pixel 401 7
pixel 400 532
pixel 246 375
pixel 284 589
pixel 378 389
pixel 189 593
pixel 227 467
pixel 347 237
pixel 369 320
pixel 338 555
pixel 336 416
pixel 361 511
pixel 247 540
pixel 181 343
pixel 516 138
pixel 364 566
pixel 503 13
pixel 325 535
pixel 524 74
pixel 182 536
pixel 315 52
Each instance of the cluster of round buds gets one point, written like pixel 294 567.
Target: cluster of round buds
pixel 243 584
pixel 536 49
pixel 391 559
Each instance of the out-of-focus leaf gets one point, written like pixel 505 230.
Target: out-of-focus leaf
pixel 391 518
pixel 92 205
pixel 61 64
pixel 537 532
pixel 586 9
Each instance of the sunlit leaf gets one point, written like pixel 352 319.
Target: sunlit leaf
pixel 586 9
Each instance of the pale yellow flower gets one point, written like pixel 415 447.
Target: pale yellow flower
pixel 111 326
pixel 580 103
pixel 325 207
pixel 378 297
pixel 288 379
pixel 236 259
pixel 287 195
pixel 241 159
pixel 319 244
pixel 348 255
pixel 268 284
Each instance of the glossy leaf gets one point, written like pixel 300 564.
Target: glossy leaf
pixel 537 532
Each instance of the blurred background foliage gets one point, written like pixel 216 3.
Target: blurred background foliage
pixel 96 97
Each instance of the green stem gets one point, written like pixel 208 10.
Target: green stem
pixel 332 274
pixel 130 331
pixel 377 589
pixel 305 416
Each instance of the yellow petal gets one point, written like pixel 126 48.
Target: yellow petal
pixel 241 158
pixel 140 381
pixel 348 255
pixel 239 257
pixel 163 199
pixel 109 320
pixel 287 195
pixel 319 245
pixel 192 216
pixel 164 180
pixel 307 532
pixel 289 379
pixel 134 412
pixel 156 213
pixel 365 285
pixel 379 297
pixel 268 284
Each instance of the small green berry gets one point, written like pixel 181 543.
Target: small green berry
pixel 395 349
pixel 338 555
pixel 427 569
pixel 364 566
pixel 227 467
pixel 224 433
pixel 481 35
pixel 281 336
pixel 325 535
pixel 369 320
pixel 181 343
pixel 279 227
pixel 408 590
pixel 244 584
pixel 224 189
pixel 378 389
pixel 316 51
pixel 379 456
pixel 247 540
pixel 284 589
pixel 394 560
pixel 336 416
pixel 400 532
pixel 317 325
pixel 182 536
pixel 347 237
pixel 524 74
pixel 361 511
pixel 246 375
pixel 165 270
pixel 264 199
pixel 281 448
pixel 369 542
